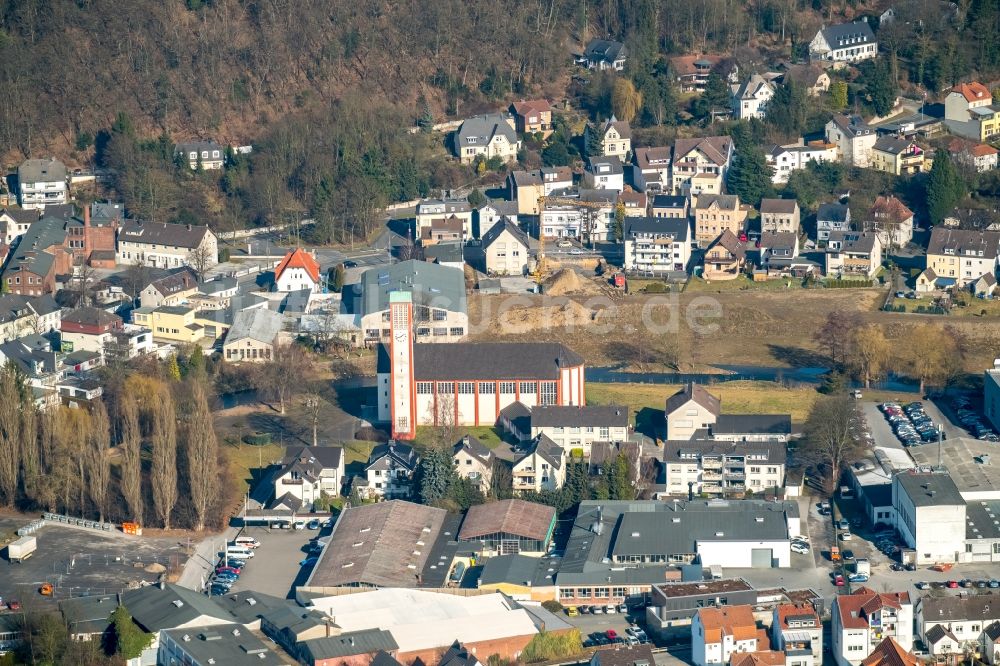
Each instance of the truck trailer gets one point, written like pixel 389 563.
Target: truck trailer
pixel 22 549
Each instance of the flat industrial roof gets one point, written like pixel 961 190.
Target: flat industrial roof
pixel 976 477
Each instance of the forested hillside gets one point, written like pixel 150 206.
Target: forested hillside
pixel 326 89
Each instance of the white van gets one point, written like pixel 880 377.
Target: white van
pixel 247 542
pixel 240 552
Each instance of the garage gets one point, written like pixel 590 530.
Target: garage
pixel 761 558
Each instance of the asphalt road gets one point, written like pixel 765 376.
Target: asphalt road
pixel 274 568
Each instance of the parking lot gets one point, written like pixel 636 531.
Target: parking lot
pixel 274 568
pixel 78 561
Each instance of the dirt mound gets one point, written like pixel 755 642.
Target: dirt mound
pixel 520 320
pixel 155 567
pixel 567 281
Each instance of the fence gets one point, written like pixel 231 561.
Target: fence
pixel 60 519
pixel 31 528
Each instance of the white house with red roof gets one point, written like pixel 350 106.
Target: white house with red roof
pixel 296 272
pixel 864 619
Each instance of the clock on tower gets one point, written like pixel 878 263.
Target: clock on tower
pixel 402 385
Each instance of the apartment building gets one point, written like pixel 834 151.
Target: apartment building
pixel 718 468
pixel 657 245
pixel 863 619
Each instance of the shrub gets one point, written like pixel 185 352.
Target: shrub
pixel 656 288
pixel 259 439
pixel 546 647
pixel 552 606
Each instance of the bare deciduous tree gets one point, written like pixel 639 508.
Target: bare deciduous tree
pixel 97 461
pixel 830 440
pixel 163 471
pixel 131 447
pixel 201 259
pixel 31 462
pixel 281 377
pixel 202 452
pixel 10 433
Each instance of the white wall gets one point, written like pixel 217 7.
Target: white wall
pixel 737 554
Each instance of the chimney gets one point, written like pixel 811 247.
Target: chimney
pixel 328 629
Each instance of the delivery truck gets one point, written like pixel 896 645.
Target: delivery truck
pixel 22 549
pixel 862 567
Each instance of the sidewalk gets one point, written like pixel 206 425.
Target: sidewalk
pixel 201 563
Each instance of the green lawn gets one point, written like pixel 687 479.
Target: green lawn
pixel 245 461
pixel 429 436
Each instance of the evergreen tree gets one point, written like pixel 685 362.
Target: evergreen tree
pixel 426 120
pixel 838 95
pixel 618 472
pixel 717 91
pixel 880 88
pixel 945 187
pixel 749 177
pixel 435 476
pixel 338 278
pixel 619 226
pixel 595 144
pixel 173 369
pixel 476 198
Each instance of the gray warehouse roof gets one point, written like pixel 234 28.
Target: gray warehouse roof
pixel 467 361
pixel 41 171
pixel 257 324
pixel 431 285
pixel 930 488
pixel 224 645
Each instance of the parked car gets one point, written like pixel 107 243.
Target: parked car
pixel 848 555
pixel 571 611
pixel 299 524
pixel 612 635
pixel 309 561
pixel 951 584
pixel 838 580
pixel 313 524
pixel 923 585
pixel 858 578
pixel 217 589
pixel 610 609
pixel 799 547
pixel 846 536
pixel 842 524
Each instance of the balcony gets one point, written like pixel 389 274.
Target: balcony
pixel 711 476
pixel 736 476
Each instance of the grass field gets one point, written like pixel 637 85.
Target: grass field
pixel 245 461
pixel 427 436
pixel 646 401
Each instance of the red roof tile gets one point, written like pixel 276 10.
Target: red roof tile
pixel 973 92
pixel 298 258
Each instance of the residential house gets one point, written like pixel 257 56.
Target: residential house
pixel 960 256
pixel 969 111
pixel 853 138
pixel 207 155
pixel 979 157
pixel 253 337
pixel 298 271
pixel 844 43
pixel 624 655
pixel 890 653
pixel 783 160
pixel 444 230
pixel 88 618
pixel 88 329
pixel 440 309
pixel 615 137
pixel 509 526
pixel 715 214
pixel 505 249
pixel 750 98
pixel 635 203
pixel 719 633
pixel 813 78
pixel 541 467
pixel 853 254
pixel 605 54
pixel 691 71
pixel 14 222
pixel 474 461
pixel 495 210
pixel 429 210
pixel 777 247
pixel 450 255
pixel 41 183
pixel 576 428
pixel 985 286
pixel 527 187
pixel 22 315
pixel 670 206
pixel 759 657
pixel 604 173
pixel 832 217
pixel 700 165
pixel 657 245
pixel 217 294
pixel 725 258
pixel 954 625
pixel 129 342
pixel 310 473
pixel 779 215
pixel 689 410
pixel 42 253
pixel 162 245
pixel 585 214
pixel 863 619
pixel 178 323
pixel 390 469
pixel 533 117
pixel 990 645
pixel 487 136
pixel 722 468
pixel 654 168
pixel 898 156
pixel 797 630
pixel 173 289
pixel 891 220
